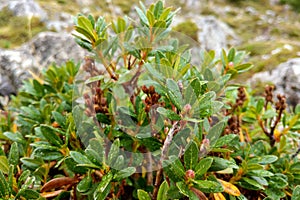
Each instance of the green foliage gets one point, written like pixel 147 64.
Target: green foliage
pixel 294 3
pixel 149 125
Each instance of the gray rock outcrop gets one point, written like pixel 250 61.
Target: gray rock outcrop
pixel 286 78
pixel 24 8
pixel 45 48
pixel 213 34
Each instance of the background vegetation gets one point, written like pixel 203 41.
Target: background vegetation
pixel 211 139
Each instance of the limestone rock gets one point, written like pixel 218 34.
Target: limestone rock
pixel 213 34
pixel 286 78
pixel 61 22
pixel 45 48
pixel 14 67
pixel 26 8
pixel 49 47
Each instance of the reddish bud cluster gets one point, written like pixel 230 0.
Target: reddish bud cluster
pixel 152 97
pixel 96 104
pixel 241 96
pixel 190 174
pixel 280 105
pixel 269 93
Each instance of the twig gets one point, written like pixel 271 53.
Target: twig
pixel 149 169
pixel 164 156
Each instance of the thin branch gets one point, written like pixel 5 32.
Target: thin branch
pixel 164 156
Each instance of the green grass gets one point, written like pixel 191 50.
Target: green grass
pixel 14 31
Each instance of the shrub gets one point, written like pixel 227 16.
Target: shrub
pixel 140 120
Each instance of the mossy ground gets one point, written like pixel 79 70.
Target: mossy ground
pixel 14 31
pixel 265 36
pixel 188 28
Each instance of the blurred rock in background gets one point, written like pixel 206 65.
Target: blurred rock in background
pixel 44 49
pixel 286 78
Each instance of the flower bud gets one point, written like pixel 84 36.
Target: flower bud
pixel 190 174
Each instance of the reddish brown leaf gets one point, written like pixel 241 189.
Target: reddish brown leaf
pixel 51 194
pixel 58 182
pixel 199 194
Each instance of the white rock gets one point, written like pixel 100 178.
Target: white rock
pixel 26 8
pixel 286 77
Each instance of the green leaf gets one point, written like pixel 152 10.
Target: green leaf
pixel 208 186
pixel 243 67
pixel 225 140
pixel 150 18
pixel 191 156
pixel 4 187
pixel 142 16
pixel 269 114
pixel 183 188
pixel 260 180
pixel 267 159
pixel 163 191
pixel 143 195
pixel 251 184
pixel 155 74
pixel 158 9
pixel 47 154
pixel 221 164
pixel 13 157
pixel 16 137
pixel 59 118
pixel 274 193
pixel 120 26
pixel 277 182
pixel 72 166
pixel 4 166
pixel 215 132
pixel 297 109
pixel 102 118
pixel 50 134
pixel 231 54
pixel 113 152
pixel 32 163
pixel 203 165
pixel 86 24
pixel 103 188
pixel 165 14
pixel 260 173
pixel 224 58
pixel 28 194
pixel 296 193
pixel 98 147
pixel 259 105
pixel 168 114
pixel 174 93
pixel 85 184
pixel 80 158
pixel 174 168
pixel 124 173
pixel 25 174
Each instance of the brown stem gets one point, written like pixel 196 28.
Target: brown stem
pixel 272 140
pixel 107 67
pixel 163 157
pixel 157 182
pixel 149 169
pixel 261 123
